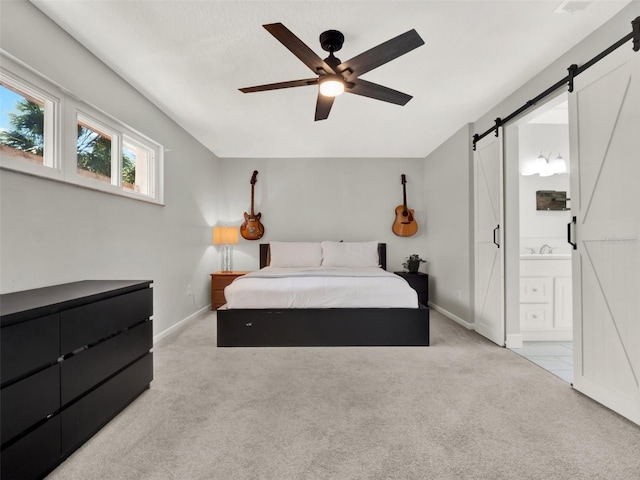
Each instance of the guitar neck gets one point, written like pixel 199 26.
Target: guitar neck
pixel 252 214
pixel 404 196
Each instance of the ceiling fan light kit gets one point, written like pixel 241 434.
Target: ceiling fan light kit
pixel 331 85
pixel 334 76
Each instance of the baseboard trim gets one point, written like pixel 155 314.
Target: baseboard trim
pixel 514 340
pixel 455 318
pixel 182 323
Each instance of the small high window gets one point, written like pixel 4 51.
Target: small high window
pixel 137 161
pixel 39 125
pixel 93 154
pixel 26 123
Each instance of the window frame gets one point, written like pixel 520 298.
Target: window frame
pixel 61 127
pixel 152 167
pixel 104 130
pixel 50 167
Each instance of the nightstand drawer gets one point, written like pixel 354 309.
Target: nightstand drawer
pixel 218 298
pixel 219 280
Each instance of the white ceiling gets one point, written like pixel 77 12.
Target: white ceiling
pixel 190 57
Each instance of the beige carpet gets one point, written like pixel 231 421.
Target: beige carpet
pixel 460 409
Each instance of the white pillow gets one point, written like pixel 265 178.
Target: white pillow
pixel 295 254
pixel 350 254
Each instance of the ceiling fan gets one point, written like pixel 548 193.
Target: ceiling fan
pixel 335 76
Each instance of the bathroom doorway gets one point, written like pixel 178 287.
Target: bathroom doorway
pixel 545 307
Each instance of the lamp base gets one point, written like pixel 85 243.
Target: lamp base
pixel 227 258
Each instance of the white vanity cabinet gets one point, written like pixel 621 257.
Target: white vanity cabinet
pixel 545 297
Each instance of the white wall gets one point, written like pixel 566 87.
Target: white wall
pixel 447 195
pixel 53 233
pixel 352 199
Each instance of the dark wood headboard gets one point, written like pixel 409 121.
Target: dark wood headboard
pixel 382 255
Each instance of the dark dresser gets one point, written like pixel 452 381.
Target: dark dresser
pixel 72 357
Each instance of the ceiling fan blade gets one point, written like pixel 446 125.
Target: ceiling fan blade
pixel 383 53
pixel 298 48
pixel 276 86
pixel 378 92
pixel 323 106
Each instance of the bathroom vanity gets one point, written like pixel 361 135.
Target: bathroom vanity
pixel 545 297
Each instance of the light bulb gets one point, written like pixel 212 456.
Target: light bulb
pixel 331 85
pixel 559 165
pixel 529 168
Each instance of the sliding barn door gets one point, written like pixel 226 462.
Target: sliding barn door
pixel 489 257
pixel 605 200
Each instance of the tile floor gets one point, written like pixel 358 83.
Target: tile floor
pixel 556 357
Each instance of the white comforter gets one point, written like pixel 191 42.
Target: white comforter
pixel 320 287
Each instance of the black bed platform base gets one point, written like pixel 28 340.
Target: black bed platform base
pixel 316 327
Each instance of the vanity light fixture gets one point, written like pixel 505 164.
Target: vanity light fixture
pixel 545 166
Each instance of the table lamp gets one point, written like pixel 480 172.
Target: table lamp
pixel 226 236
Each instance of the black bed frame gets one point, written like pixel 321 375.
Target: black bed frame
pixel 315 327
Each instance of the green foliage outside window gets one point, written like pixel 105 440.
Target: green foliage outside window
pixel 128 170
pixel 94 151
pixel 27 128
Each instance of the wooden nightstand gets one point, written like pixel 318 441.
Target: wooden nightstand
pixel 419 282
pixel 219 280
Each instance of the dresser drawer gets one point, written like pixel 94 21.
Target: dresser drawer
pixel 87 324
pixel 33 455
pixel 86 416
pixel 29 401
pixel 28 346
pixel 88 368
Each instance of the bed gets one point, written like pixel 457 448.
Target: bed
pixel 280 326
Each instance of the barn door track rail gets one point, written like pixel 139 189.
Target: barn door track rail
pixel 574 70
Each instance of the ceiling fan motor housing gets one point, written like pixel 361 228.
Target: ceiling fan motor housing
pixel 331 40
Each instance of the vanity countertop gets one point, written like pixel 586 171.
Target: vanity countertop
pixel 545 256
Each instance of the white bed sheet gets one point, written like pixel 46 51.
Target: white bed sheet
pixel 320 287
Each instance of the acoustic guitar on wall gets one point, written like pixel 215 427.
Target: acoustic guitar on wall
pixel 252 229
pixel 405 223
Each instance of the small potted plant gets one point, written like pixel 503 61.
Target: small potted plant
pixel 412 264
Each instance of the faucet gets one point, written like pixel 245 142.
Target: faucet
pixel 531 250
pixel 546 249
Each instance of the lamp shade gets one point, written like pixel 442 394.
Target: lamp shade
pixel 225 235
